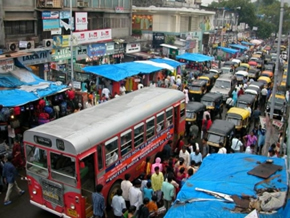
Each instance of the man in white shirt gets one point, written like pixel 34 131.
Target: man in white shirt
pixel 178 81
pixel 106 92
pixel 172 80
pixel 135 194
pixel 236 144
pixel 185 155
pixel 122 90
pixel 118 204
pixel 264 93
pixel 222 149
pixel 250 149
pixel 125 186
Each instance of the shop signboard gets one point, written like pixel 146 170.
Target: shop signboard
pixel 81 21
pixel 133 47
pixel 6 65
pixel 158 38
pixel 95 50
pixel 61 41
pixel 173 51
pixel 60 54
pixel 38 57
pixel 189 44
pixel 48 15
pixel 119 48
pixel 80 52
pixel 110 48
pixel 51 24
pixel 93 36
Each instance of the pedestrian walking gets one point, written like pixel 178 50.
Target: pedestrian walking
pixel 99 208
pixel 9 176
pixel 256 116
pixel 185 155
pixel 135 194
pixel 237 144
pixel 157 179
pixel 222 149
pixel 125 186
pixel 118 204
pixel 168 193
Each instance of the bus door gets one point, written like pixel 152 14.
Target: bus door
pixel 179 119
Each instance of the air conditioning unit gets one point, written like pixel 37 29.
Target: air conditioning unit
pixel 26 44
pixel 82 4
pixel 47 43
pixel 12 46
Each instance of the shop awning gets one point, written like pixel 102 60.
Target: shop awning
pixel 163 65
pixel 239 46
pixel 118 72
pixel 21 87
pixel 171 62
pixel 228 50
pixel 196 57
pixel 170 46
pixel 246 43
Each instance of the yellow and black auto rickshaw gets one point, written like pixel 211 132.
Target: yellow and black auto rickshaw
pixel 245 100
pixel 220 131
pixel 194 112
pixel 209 79
pixel 197 89
pixel 254 73
pixel 266 80
pixel 213 103
pixel 240 117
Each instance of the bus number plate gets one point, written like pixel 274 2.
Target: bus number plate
pixel 51 195
pixel 72 213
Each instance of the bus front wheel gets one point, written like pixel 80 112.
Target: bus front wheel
pixel 112 192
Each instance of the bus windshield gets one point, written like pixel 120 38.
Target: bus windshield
pixel 36 160
pixel 63 168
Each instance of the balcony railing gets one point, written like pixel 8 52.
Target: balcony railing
pixel 49 3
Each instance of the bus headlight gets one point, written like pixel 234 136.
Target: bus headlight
pixel 72 206
pixel 34 191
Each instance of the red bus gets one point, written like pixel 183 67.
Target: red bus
pixel 68 157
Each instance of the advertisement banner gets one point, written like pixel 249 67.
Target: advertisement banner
pixel 80 52
pixel 95 50
pixel 110 48
pixel 6 65
pixel 64 14
pixel 38 57
pixel 158 38
pixel 61 41
pixel 47 15
pixel 119 48
pixel 133 47
pixel 60 54
pixel 81 21
pixel 92 36
pixel 52 24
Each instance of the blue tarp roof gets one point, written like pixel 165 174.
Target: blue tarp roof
pixel 239 46
pixel 118 72
pixel 228 174
pixel 247 43
pixel 228 50
pixel 194 57
pixel 23 87
pixel 168 61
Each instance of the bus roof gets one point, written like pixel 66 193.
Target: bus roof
pixel 83 130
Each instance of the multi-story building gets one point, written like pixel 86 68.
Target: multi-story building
pixel 180 18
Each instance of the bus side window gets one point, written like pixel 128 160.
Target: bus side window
pixel 169 117
pixel 160 122
pixel 100 157
pixel 126 142
pixel 150 128
pixel 182 110
pixel 138 135
pixel 111 150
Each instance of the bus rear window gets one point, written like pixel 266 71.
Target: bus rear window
pixel 63 168
pixel 138 135
pixel 36 160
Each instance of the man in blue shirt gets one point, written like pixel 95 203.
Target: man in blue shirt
pixel 196 156
pixel 99 207
pixel 9 175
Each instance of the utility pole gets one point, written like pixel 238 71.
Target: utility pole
pixel 270 125
pixel 71 43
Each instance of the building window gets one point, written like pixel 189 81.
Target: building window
pixel 19 27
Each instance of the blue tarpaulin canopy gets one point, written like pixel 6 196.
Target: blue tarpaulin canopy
pixel 227 174
pixel 22 86
pixel 168 61
pixel 242 47
pixel 118 72
pixel 228 50
pixel 194 57
pixel 247 43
